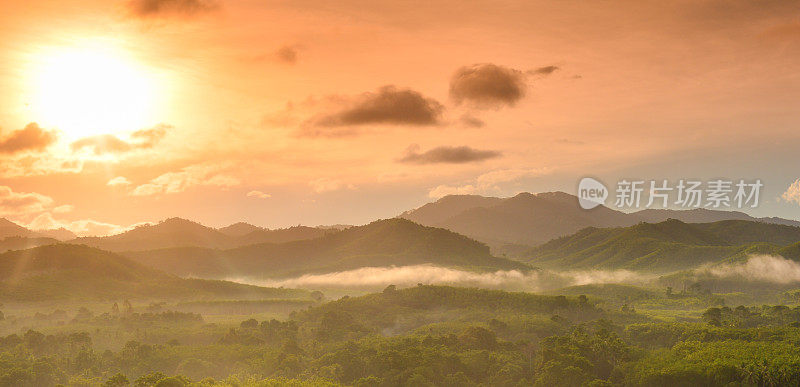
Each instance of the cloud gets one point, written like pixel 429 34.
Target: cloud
pixel 792 193
pixel 148 138
pixel 22 203
pixel 447 154
pixel 286 54
pixel 191 176
pixel 63 209
pixel 109 143
pixel 118 181
pixel 83 227
pixel 159 8
pixel 388 106
pixel 30 138
pixel 545 71
pixel 258 194
pixel 488 182
pixel 487 86
pixel 471 121
pixel 102 144
pixel 325 184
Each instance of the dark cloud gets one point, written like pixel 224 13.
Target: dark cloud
pixel 30 138
pixel 286 54
pixel 487 85
pixel 155 8
pixel 109 143
pixel 389 106
pixel 546 70
pixel 471 121
pixel 447 154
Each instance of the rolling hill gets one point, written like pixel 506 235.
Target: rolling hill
pixel 517 223
pixel 391 242
pixel 73 272
pixel 666 246
pixel 525 219
pixel 177 232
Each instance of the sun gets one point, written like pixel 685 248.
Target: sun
pixel 91 90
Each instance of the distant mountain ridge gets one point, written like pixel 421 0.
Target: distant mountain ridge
pixel 390 242
pixel 531 219
pixel 665 246
pixel 178 232
pixel 11 229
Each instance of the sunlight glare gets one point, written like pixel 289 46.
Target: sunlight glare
pixel 89 91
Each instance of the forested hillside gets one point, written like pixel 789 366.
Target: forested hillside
pixel 666 246
pixel 391 242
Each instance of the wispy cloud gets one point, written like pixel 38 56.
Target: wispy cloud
pixel 487 183
pixel 258 195
pixel 792 194
pixel 195 175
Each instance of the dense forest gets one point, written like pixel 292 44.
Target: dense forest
pixel 417 336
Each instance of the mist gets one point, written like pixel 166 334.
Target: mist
pixel 763 268
pixel 379 277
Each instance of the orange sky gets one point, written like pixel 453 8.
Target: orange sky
pixel 280 113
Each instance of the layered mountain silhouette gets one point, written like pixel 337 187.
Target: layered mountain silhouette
pixel 239 229
pixel 665 246
pixel 21 243
pixel 64 271
pixel 177 232
pixel 61 234
pixel 531 219
pixel 390 242
pixel 11 229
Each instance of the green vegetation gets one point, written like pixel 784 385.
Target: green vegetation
pixel 423 335
pixel 666 246
pixel 381 243
pixel 75 315
pixel 70 272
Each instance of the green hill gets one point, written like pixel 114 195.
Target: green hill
pixel 391 242
pixel 73 272
pixel 666 246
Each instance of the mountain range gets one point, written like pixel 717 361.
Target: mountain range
pixel 177 232
pixel 389 242
pixel 513 225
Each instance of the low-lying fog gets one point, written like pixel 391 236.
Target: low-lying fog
pixel 758 268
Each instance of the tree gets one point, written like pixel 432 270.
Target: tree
pixel 117 380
